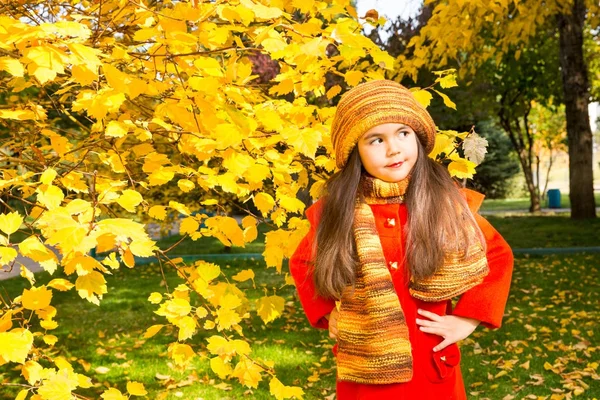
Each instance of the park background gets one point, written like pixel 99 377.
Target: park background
pixel 157 158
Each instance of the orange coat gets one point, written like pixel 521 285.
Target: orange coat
pixel 436 376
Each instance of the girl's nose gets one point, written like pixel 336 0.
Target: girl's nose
pixel 393 148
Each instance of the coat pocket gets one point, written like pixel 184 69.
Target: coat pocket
pixel 443 364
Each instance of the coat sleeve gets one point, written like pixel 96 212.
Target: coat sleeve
pixel 315 307
pixel 486 301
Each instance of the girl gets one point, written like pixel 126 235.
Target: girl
pixel 392 242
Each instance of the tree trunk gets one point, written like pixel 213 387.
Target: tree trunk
pixel 576 91
pixel 522 141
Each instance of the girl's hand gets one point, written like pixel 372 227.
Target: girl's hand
pixel 333 317
pixel 451 327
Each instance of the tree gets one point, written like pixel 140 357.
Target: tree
pixel 123 112
pixel 481 32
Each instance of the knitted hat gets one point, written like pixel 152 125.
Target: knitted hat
pixel 374 103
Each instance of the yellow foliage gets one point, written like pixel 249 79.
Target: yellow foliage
pixel 280 391
pixel 36 298
pixel 15 345
pixel 91 287
pixel 136 389
pixel 10 223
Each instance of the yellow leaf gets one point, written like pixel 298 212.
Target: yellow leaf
pixel 153 330
pixel 58 385
pixel 208 271
pixel 333 91
pixel 248 373
pixel 185 185
pixel 34 249
pixel 136 389
pixel 22 395
pixel 155 298
pixel 36 298
pixel 187 327
pixel 280 391
pixel 10 223
pixel 283 87
pixel 50 340
pixel 50 196
pixel 129 200
pixel 179 207
pixel 158 212
pixel 6 321
pixel 188 225
pixel 230 301
pixel 462 168
pixel 91 287
pixel 423 97
pixel 45 62
pixel 201 312
pixel 12 66
pixel 7 255
pixel 447 81
pixel 353 77
pixel 270 308
pixel 15 345
pixel 181 354
pixel 32 372
pixel 174 308
pixel 291 204
pixel 116 129
pixel 48 324
pixel 264 202
pixel 244 275
pixel 128 258
pixel 501 373
pixel 48 176
pixel 160 176
pixel 60 284
pixel 261 11
pixel 220 367
pixel 447 101
pixel 525 365
pixel 112 394
pixel 227 318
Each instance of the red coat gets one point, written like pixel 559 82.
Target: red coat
pixel 436 376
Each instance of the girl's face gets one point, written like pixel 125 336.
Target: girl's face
pixel 389 151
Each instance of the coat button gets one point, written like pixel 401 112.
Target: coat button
pixel 393 265
pixel 390 223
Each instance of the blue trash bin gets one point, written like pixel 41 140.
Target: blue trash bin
pixel 554 198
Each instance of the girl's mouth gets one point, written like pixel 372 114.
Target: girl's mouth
pixel 395 165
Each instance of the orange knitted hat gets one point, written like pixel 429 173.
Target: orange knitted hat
pixel 374 103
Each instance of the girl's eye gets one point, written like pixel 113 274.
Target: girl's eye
pixel 404 133
pixel 378 140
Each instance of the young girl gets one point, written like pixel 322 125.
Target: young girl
pixel 392 242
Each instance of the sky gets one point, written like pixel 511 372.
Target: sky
pixel 389 8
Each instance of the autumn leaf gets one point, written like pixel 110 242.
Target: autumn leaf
pixel 10 223
pixel 270 308
pixel 36 298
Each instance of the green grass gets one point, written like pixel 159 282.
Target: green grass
pixel 551 317
pixel 547 231
pixel 523 203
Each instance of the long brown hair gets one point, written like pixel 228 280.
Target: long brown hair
pixel 437 215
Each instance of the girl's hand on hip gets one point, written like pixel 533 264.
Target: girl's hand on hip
pixel 333 318
pixel 451 327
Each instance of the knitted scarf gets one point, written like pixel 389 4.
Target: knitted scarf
pixel 373 341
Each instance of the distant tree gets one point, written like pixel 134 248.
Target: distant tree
pixel 495 173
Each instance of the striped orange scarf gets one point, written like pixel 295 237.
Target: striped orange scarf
pixel 373 341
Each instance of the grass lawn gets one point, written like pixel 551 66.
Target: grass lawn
pixel 545 347
pixel 519 231
pixel 523 203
